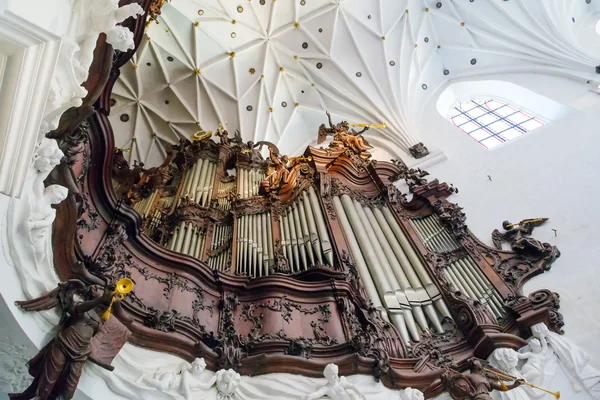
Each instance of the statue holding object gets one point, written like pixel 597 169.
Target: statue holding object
pixel 282 169
pixel 345 137
pixel 476 384
pixel 56 369
pixel 516 235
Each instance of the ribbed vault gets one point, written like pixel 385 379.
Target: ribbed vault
pixel 270 68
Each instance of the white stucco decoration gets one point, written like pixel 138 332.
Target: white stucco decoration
pixel 184 382
pixel 120 38
pixel 544 352
pixel 89 19
pixel 14 377
pixel 576 364
pixel 228 382
pixel 337 388
pixel 132 361
pixel 539 368
pixel 28 225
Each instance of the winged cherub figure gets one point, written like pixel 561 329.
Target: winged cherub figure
pixel 344 137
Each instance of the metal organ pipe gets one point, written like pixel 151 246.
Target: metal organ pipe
pixel 359 260
pixel 417 265
pixel 399 315
pixel 324 236
pixel 270 240
pixel 265 243
pixel 416 297
pixel 463 274
pixel 312 227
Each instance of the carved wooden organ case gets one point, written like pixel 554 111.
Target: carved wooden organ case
pixel 332 264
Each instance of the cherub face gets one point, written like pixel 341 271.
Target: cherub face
pixel 535 345
pixel 331 373
pixel 198 365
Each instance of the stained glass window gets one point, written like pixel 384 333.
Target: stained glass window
pixel 492 122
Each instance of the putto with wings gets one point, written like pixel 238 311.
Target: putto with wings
pixel 345 137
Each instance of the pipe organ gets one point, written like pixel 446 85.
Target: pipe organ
pixel 250 216
pixel 271 264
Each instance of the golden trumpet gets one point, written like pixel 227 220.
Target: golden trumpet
pixel 376 126
pixel 528 221
pixel 512 378
pixel 124 286
pixel 302 158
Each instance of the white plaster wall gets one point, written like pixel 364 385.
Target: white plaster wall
pixel 51 15
pixel 550 172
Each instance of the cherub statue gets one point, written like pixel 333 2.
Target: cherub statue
pixel 40 199
pixel 227 383
pixel 533 369
pixel 515 234
pixel 337 388
pixel 475 385
pixel 120 38
pixel 344 137
pixel 223 135
pixel 57 367
pixel 184 382
pixel 100 16
pixel 42 216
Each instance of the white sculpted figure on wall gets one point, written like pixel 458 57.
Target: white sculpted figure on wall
pixel 89 19
pixel 337 388
pixel 29 222
pixel 546 350
pixel 228 382
pixel 184 382
pixel 41 216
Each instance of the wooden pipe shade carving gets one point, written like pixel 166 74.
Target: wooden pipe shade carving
pixel 314 295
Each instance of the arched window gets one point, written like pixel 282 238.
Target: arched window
pixel 492 122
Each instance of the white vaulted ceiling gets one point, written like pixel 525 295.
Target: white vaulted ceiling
pixel 271 68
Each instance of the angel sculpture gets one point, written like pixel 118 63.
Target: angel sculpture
pixel 277 172
pixel 56 369
pixel 475 385
pixel 344 137
pixel 223 135
pixel 515 234
pixel 337 388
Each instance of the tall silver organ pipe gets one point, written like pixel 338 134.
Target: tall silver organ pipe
pixel 220 248
pixel 464 274
pixel 198 182
pixel 145 206
pixel 304 237
pixel 433 234
pixel 188 239
pixel 248 182
pixel 390 268
pixel 254 245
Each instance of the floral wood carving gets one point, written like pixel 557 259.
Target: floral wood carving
pixel 452 217
pixel 431 347
pixel 281 265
